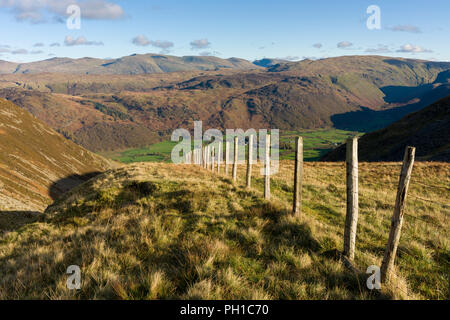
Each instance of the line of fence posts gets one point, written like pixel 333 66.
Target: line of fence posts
pixel 209 158
pixel 206 156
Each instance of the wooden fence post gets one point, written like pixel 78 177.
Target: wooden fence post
pixel 351 222
pixel 249 161
pixel 267 170
pixel 399 212
pixel 219 157
pixel 236 157
pixel 227 157
pixel 298 176
pixel 212 158
pixel 204 157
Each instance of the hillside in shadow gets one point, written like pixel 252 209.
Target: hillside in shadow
pixel 428 130
pixel 368 120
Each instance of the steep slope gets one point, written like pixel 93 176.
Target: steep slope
pixel 134 64
pixel 36 163
pixel 90 124
pixel 428 130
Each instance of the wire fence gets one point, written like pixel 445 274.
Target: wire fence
pixel 420 209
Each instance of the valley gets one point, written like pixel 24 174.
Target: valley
pixel 119 112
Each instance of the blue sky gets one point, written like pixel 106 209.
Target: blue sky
pixel 247 29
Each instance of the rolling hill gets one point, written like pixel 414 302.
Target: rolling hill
pixel 7 67
pixel 428 130
pixel 37 164
pixel 131 65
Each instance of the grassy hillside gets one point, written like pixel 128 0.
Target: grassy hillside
pixel 428 130
pixel 156 231
pixel 36 163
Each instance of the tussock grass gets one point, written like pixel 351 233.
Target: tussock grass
pixel 157 231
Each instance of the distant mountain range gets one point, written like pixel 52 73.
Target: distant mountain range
pixel 428 130
pixel 134 64
pixel 117 111
pixel 37 164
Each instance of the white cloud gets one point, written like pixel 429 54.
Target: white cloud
pixel 20 51
pixel 38 45
pixel 37 52
pixel 80 41
pixel 409 48
pixel 380 49
pixel 55 44
pixel 317 45
pixel 200 44
pixel 344 44
pixel 143 41
pixel 406 28
pixel 162 44
pixel 38 11
pixel 289 58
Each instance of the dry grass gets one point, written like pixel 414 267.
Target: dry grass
pixel 156 231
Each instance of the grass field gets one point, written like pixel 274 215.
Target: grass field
pixel 160 231
pixel 316 144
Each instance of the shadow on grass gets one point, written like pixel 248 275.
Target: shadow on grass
pixel 14 220
pixel 64 185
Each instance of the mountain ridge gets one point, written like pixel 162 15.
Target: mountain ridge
pixel 133 64
pixel 107 113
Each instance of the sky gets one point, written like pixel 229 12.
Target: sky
pixel 32 30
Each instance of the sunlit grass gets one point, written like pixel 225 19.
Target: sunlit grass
pixel 158 231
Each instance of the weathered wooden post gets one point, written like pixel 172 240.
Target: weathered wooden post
pixel 208 156
pixel 212 158
pixel 399 212
pixel 204 157
pixel 227 157
pixel 249 161
pixel 351 221
pixel 298 176
pixel 267 170
pixel 219 157
pixel 236 157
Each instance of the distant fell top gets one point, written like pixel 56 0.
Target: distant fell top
pixel 134 64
